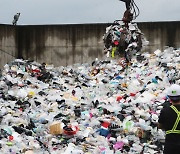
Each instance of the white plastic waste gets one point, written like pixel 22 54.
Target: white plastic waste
pixel 86 108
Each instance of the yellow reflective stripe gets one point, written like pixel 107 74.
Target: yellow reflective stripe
pixel 169 131
pixel 176 131
pixel 176 122
pixel 178 117
pixel 173 132
pixel 174 108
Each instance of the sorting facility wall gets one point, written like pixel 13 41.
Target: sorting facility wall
pixel 8 44
pixel 63 45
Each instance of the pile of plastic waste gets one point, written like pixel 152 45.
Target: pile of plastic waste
pixel 98 108
pixel 122 40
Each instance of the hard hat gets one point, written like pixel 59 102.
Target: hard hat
pixel 173 92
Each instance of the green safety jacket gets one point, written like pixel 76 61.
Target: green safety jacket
pixel 174 129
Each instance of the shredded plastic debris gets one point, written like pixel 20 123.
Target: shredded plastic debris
pixel 99 108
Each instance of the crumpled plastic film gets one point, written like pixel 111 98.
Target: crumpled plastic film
pixel 89 108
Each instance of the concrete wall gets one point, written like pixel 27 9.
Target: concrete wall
pixel 8 44
pixel 161 34
pixel 78 43
pixel 61 44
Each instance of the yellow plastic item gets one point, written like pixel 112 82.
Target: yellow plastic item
pixel 113 52
pixel 31 94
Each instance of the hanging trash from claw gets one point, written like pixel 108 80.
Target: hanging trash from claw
pixel 122 40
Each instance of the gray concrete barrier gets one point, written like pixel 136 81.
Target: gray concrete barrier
pixel 8 44
pixel 77 43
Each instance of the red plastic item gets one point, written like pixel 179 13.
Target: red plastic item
pixel 119 98
pixel 11 138
pixel 73 132
pixel 116 43
pixel 105 124
pixel 132 94
pixel 36 70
